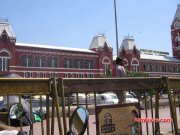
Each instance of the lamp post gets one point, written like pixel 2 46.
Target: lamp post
pixel 116 28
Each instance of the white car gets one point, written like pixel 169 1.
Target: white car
pixel 108 98
pixel 130 98
pixel 82 98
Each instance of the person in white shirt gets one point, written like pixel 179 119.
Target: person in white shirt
pixel 120 72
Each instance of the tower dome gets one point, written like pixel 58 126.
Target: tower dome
pixel 5 27
pixel 99 41
pixel 128 44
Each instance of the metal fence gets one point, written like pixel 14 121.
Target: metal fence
pixel 58 111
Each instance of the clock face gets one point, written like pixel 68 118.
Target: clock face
pixel 177 25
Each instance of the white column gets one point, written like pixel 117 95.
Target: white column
pixel 89 65
pixel 5 64
pixel 27 62
pixel 2 65
pixel 53 63
pixel 40 63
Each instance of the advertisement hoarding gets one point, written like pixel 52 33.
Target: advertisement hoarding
pixel 117 119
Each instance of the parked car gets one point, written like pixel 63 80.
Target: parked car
pixel 132 93
pixel 130 98
pixel 104 98
pixel 82 98
pixel 108 98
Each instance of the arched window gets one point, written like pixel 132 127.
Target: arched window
pixel 135 65
pixel 24 61
pixel 66 63
pixel 30 61
pixel 55 62
pixel 43 61
pixel 52 62
pixel 156 68
pixel 76 63
pixel 37 61
pixel 4 60
pixel 87 64
pixel 81 63
pixel 106 65
pixel 71 63
pixel 49 62
pixel 92 64
pixel 27 61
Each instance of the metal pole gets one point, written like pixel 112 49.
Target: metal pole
pixel 116 27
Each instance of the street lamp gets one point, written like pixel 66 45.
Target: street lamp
pixel 116 28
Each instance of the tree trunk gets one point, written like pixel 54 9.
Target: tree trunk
pixel 121 96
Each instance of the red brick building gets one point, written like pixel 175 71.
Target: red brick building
pixel 32 60
pixel 155 63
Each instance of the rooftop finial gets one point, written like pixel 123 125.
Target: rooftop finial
pixel 101 34
pixel 128 37
pixel 3 20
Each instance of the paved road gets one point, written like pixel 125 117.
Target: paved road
pixel 164 113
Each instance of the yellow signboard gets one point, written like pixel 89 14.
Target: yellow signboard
pixel 117 119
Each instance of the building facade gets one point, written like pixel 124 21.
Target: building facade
pixel 155 63
pixel 42 61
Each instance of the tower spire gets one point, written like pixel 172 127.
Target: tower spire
pixel 175 30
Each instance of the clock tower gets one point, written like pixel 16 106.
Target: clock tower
pixel 175 33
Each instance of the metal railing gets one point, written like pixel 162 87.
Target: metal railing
pixel 58 90
pixel 67 86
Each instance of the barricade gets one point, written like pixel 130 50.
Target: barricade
pixel 63 88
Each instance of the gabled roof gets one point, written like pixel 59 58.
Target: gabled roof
pixel 99 41
pixel 54 47
pixel 4 25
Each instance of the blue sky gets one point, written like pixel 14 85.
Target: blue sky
pixel 73 23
